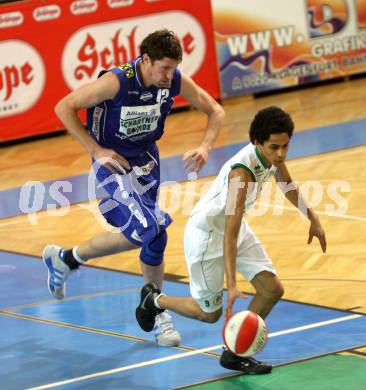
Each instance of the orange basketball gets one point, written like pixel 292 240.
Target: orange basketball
pixel 245 333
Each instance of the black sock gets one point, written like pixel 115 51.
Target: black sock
pixel 70 260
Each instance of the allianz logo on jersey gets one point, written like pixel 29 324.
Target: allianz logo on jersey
pixel 146 96
pixel 139 119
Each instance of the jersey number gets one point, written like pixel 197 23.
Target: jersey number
pixel 162 96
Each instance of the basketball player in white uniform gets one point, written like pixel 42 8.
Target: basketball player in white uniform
pixel 218 240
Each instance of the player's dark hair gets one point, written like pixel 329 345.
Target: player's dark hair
pixel 160 44
pixel 270 120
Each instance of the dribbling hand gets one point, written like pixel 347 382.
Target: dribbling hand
pixel 232 294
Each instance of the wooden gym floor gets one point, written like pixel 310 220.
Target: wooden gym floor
pixel 335 279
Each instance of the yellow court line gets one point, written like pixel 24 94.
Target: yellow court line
pixel 88 329
pixel 71 326
pixel 73 298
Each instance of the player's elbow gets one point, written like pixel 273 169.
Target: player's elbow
pixel 65 106
pixel 58 108
pixel 61 108
pixel 219 112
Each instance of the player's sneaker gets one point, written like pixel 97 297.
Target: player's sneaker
pixel 247 365
pixel 165 333
pixel 58 271
pixel 146 310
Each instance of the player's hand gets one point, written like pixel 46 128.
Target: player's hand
pixel 232 294
pixel 316 230
pixel 195 159
pixel 111 160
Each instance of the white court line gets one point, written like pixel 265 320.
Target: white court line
pixel 187 354
pixel 315 325
pixel 295 162
pixel 342 216
pixel 196 194
pixel 74 207
pixel 290 208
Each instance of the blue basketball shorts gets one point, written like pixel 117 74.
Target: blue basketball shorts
pixel 131 204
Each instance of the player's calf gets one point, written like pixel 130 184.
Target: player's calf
pixel 210 318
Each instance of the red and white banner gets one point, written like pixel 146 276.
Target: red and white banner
pixel 48 48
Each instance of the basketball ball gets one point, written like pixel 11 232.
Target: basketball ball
pixel 245 333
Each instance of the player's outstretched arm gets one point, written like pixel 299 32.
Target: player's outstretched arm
pixel 195 159
pixel 89 95
pixel 292 193
pixel 235 204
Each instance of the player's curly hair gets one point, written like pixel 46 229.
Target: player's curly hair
pixel 160 44
pixel 270 120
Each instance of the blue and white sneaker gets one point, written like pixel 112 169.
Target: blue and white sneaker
pixel 58 271
pixel 165 333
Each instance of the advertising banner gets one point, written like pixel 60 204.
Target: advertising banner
pixel 266 45
pixel 50 47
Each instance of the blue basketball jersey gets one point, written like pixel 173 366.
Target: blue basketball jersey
pixel 132 122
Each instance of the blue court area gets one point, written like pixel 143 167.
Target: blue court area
pixel 91 339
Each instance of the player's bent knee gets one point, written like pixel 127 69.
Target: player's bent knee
pixel 275 293
pixel 268 286
pixel 211 318
pixel 280 291
pixel 277 290
pixel 152 253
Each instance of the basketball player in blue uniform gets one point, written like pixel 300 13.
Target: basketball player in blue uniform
pixel 218 240
pixel 126 111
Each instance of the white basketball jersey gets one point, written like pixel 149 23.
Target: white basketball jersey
pixel 209 212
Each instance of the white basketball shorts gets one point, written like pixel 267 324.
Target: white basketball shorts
pixel 204 256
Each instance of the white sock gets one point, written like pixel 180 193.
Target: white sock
pixel 76 256
pixel 156 303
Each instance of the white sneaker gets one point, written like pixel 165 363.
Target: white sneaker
pixel 165 333
pixel 58 271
